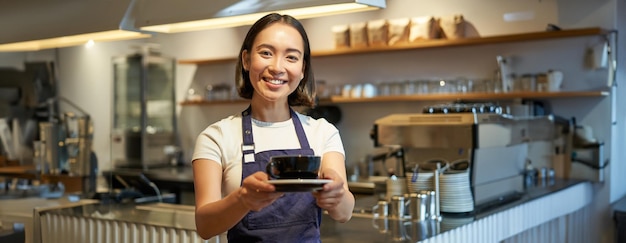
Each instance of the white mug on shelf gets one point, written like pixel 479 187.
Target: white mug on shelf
pixel 368 90
pixel 555 79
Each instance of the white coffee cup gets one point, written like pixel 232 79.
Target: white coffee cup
pixel 355 92
pixel 346 92
pixel 555 79
pixel 368 90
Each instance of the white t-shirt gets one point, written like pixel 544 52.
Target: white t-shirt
pixel 222 141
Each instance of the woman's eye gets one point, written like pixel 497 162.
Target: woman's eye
pixel 265 53
pixel 293 58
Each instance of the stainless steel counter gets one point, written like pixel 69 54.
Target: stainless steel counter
pixel 176 180
pixel 159 214
pixel 361 228
pixel 558 195
pixel 159 222
pixel 24 211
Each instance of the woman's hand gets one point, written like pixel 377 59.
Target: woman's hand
pixel 255 193
pixel 335 197
pixel 332 193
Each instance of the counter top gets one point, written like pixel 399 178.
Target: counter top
pixel 363 227
pixel 160 214
pixel 537 205
pixel 122 223
pixel 175 179
pixel 22 210
pixel 23 172
pixel 181 174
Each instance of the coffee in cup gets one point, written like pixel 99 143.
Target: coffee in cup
pixel 293 167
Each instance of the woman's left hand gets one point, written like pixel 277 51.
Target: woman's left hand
pixel 332 193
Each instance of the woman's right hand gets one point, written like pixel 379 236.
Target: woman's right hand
pixel 255 193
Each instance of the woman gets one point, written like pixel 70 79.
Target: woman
pixel 231 189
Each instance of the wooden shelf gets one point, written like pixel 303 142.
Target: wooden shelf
pixel 439 97
pixel 544 35
pixel 473 96
pixel 19 171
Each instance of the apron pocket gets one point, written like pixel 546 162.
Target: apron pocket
pixel 289 210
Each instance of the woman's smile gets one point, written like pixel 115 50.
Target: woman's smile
pixel 276 81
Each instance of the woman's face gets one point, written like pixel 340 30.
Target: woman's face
pixel 275 62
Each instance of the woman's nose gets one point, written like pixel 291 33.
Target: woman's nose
pixel 277 67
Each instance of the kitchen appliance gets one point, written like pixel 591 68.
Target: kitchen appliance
pixel 144 121
pixel 81 159
pixel 588 162
pixel 495 144
pixel 24 101
pixel 65 145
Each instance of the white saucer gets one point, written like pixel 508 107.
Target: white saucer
pixel 298 185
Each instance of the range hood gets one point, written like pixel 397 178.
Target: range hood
pixel 193 15
pixel 43 24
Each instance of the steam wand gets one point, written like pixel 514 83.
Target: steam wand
pixel 152 185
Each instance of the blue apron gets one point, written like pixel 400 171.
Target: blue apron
pixel 295 217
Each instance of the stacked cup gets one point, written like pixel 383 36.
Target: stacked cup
pixel 395 186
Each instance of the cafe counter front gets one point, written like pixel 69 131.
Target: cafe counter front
pixel 544 211
pixel 556 205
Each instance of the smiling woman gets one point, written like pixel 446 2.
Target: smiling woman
pixel 233 191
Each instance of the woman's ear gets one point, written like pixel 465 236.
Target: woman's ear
pixel 245 60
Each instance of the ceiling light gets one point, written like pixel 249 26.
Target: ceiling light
pixel 43 24
pixel 74 40
pixel 90 44
pixel 202 14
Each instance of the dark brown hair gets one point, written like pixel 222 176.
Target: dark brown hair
pixel 304 95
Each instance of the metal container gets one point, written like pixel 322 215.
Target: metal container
pixel 420 206
pixel 381 209
pixel 398 207
pixel 49 134
pixel 78 142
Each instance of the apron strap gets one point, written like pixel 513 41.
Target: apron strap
pixel 304 142
pixel 247 147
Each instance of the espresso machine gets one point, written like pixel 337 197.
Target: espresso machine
pixel 48 131
pixel 493 143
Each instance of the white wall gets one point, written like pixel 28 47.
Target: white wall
pixel 85 75
pixel 618 156
pixel 86 78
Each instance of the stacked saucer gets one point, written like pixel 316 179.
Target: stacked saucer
pixel 455 195
pixel 453 222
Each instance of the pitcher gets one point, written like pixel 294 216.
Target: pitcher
pixel 555 79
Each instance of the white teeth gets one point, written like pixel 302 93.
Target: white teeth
pixel 275 81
